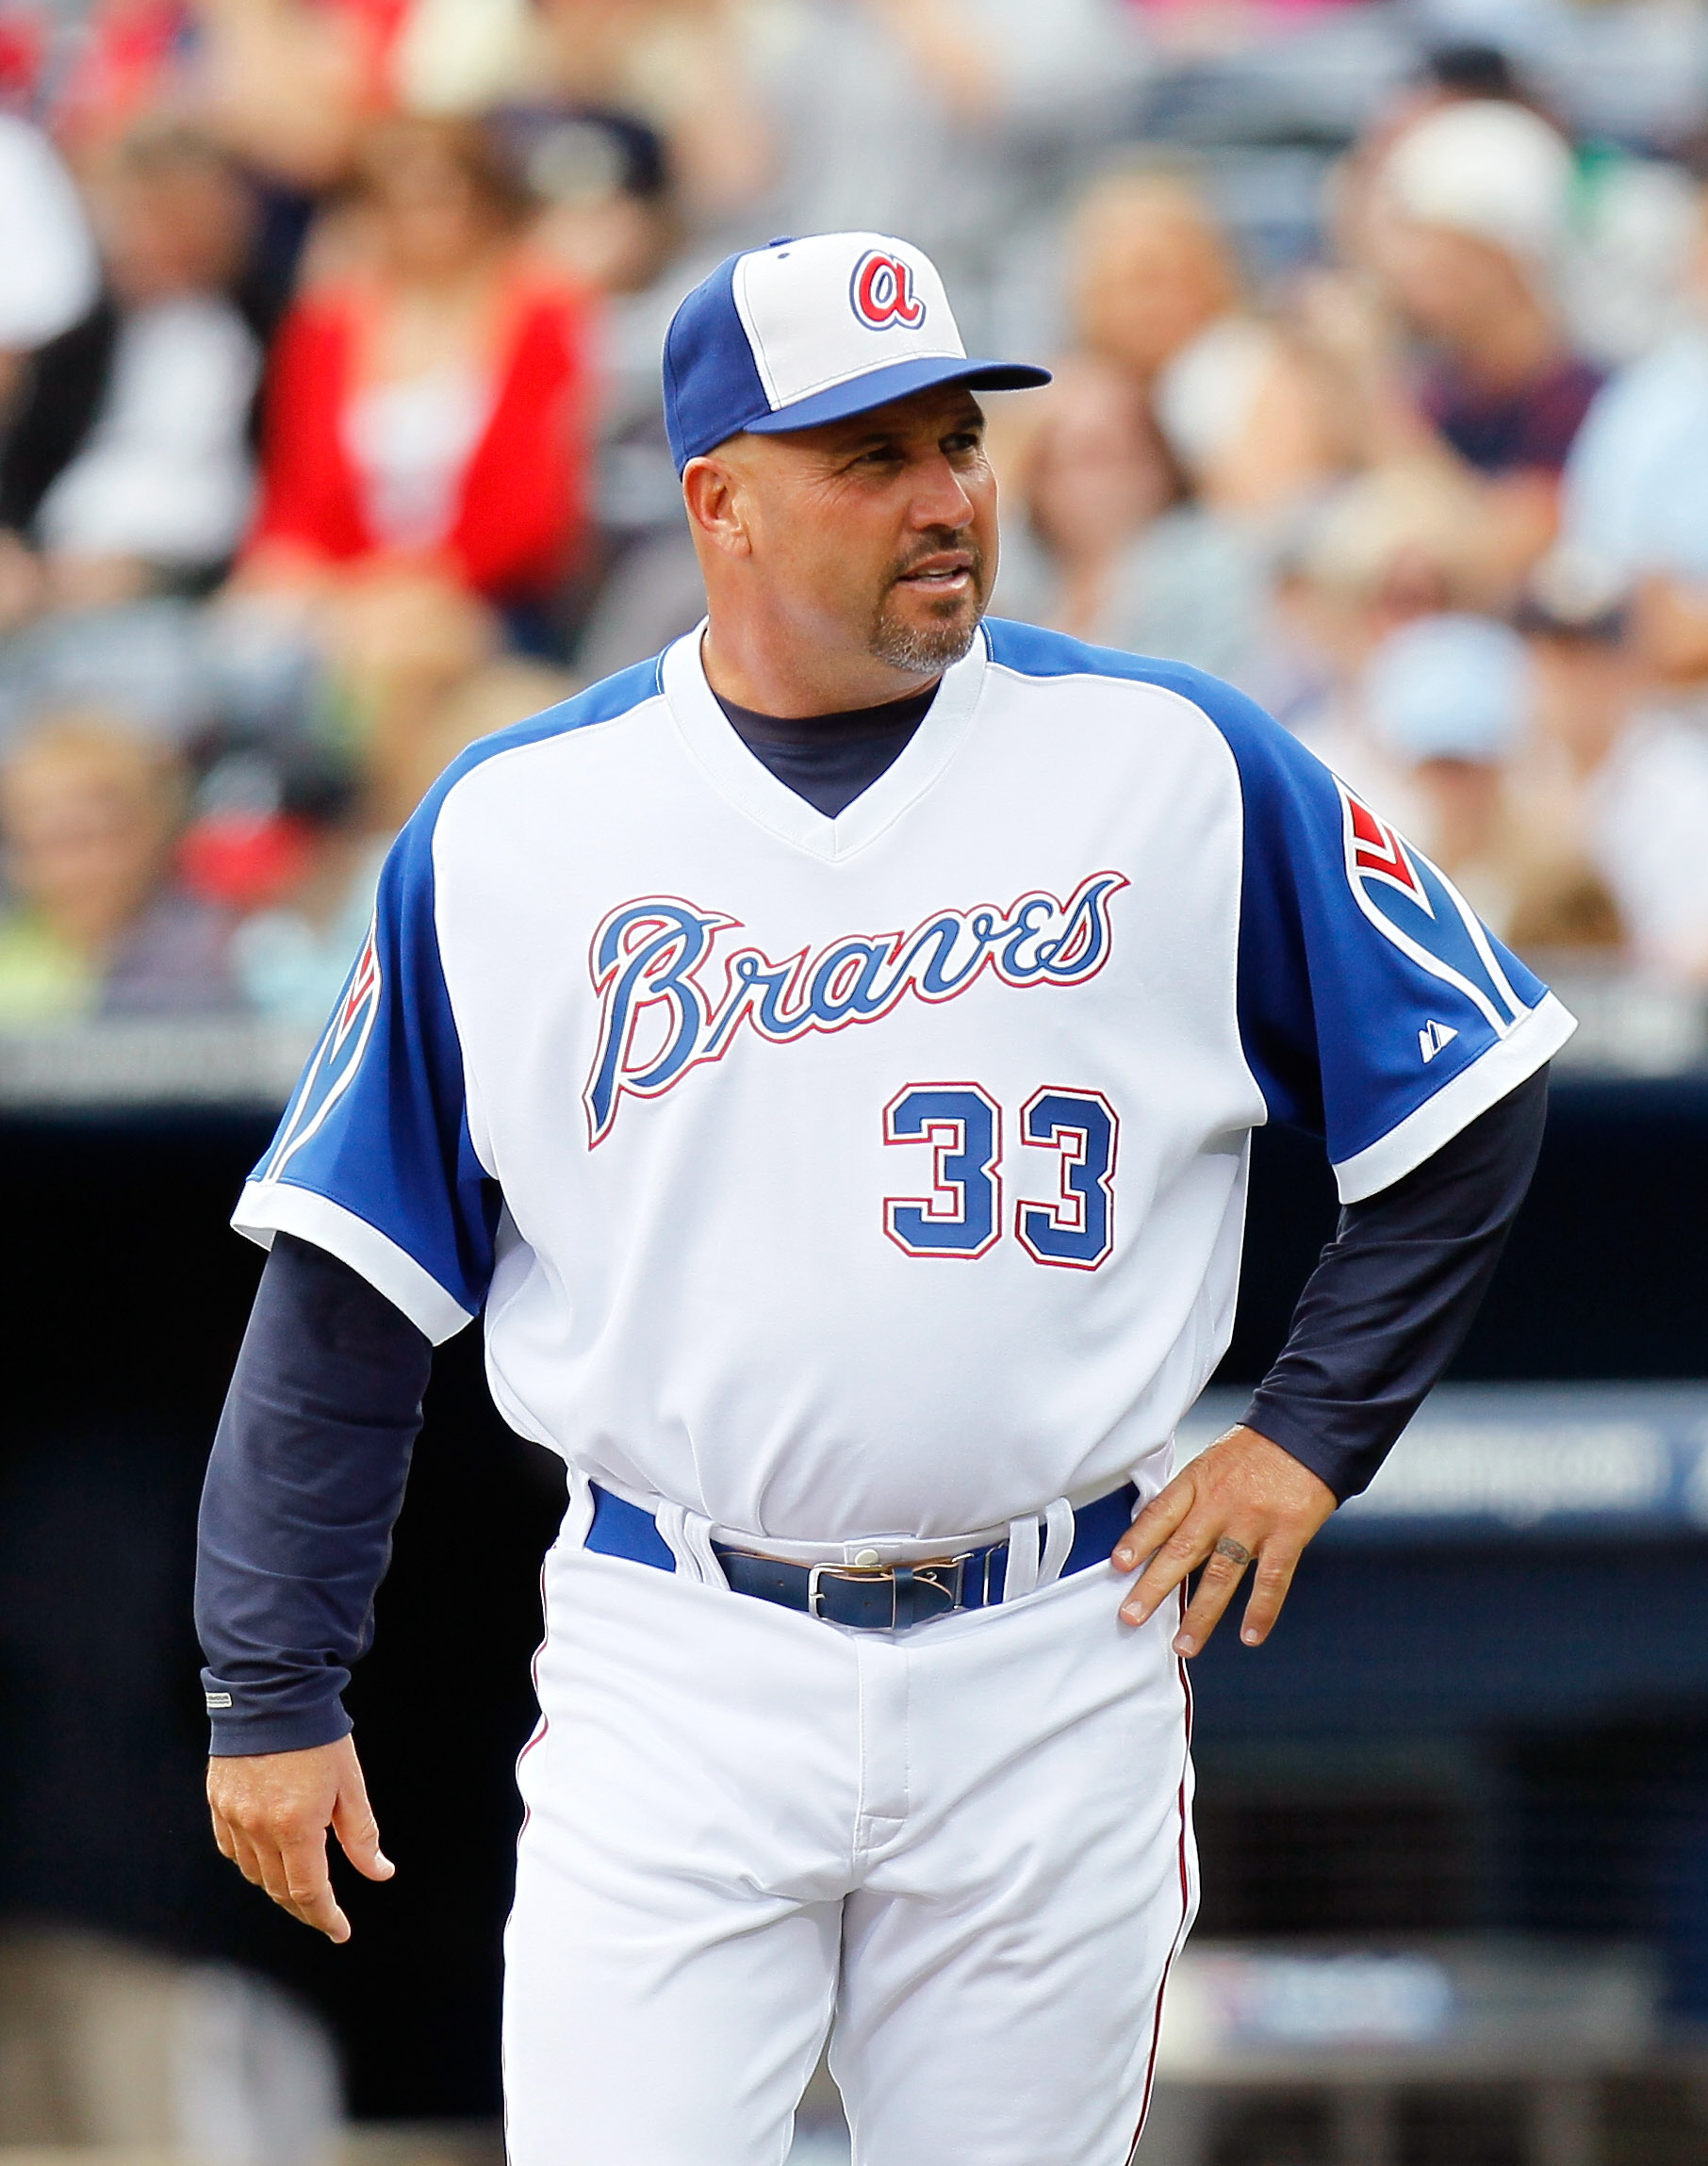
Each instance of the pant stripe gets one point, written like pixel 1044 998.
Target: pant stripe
pixel 1186 1918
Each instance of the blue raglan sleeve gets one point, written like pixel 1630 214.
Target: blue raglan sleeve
pixel 373 1160
pixel 1375 1009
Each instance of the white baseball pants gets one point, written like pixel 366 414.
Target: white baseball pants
pixel 965 1850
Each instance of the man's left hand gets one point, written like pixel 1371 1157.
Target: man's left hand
pixel 1243 1502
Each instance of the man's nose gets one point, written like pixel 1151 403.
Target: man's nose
pixel 940 499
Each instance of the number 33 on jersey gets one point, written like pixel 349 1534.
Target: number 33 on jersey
pixel 963 1214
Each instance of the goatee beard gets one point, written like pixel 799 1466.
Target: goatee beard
pixel 927 649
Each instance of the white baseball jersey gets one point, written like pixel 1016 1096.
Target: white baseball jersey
pixel 884 1175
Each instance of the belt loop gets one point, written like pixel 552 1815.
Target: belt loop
pixel 578 1514
pixel 689 1537
pixel 1058 1541
pixel 698 1530
pixel 1021 1574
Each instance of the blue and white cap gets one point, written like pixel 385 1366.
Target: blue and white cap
pixel 803 332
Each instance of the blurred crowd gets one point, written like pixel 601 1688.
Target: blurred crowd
pixel 330 435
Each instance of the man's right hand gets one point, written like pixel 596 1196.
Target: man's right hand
pixel 270 1813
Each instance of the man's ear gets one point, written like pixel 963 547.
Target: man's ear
pixel 717 507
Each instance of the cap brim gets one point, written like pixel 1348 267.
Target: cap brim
pixel 881 386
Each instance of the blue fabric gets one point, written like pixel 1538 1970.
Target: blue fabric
pixel 712 383
pixel 828 759
pixel 304 1481
pixel 1394 1293
pixel 898 380
pixel 1331 1005
pixel 619 1529
pixel 378 1124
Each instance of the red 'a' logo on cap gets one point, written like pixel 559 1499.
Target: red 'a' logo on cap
pixel 881 292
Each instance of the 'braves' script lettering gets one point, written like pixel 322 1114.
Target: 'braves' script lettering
pixel 654 967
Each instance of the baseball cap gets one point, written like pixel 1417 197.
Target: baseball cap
pixel 806 331
pixel 1488 168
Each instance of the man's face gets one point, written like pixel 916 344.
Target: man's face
pixel 875 535
pixel 1446 283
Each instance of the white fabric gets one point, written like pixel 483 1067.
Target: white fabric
pixel 48 274
pixel 970 1840
pixel 1058 1541
pixel 166 472
pixel 379 1260
pixel 1021 1576
pixel 805 329
pixel 618 1352
pixel 411 443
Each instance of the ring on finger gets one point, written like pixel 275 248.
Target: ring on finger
pixel 1236 1552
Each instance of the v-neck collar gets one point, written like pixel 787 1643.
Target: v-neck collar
pixel 749 785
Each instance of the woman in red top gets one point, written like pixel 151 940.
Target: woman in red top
pixel 428 409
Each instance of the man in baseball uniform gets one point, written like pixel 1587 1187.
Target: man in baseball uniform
pixel 828 1055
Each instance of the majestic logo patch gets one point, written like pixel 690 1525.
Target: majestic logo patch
pixel 336 1058
pixel 1417 908
pixel 1433 1037
pixel 659 1014
pixel 881 293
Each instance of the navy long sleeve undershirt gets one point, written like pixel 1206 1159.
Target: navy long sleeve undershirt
pixel 313 1449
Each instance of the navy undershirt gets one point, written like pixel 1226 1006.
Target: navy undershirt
pixel 308 1472
pixel 829 759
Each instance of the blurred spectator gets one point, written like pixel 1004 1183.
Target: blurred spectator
pixel 1379 551
pixel 282 84
pixel 1476 198
pixel 88 816
pixel 609 216
pixel 300 853
pixel 1109 549
pixel 285 850
pixel 396 649
pixel 47 259
pixel 686 70
pixel 1450 698
pixel 1640 770
pixel 128 466
pixel 428 406
pixel 500 693
pixel 1636 500
pixel 957 122
pixel 1158 292
pixel 1464 233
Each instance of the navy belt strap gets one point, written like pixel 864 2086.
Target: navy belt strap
pixel 888 1599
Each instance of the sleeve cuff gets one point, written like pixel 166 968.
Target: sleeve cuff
pixel 270 1208
pixel 235 1735
pixel 1301 1437
pixel 1472 1091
